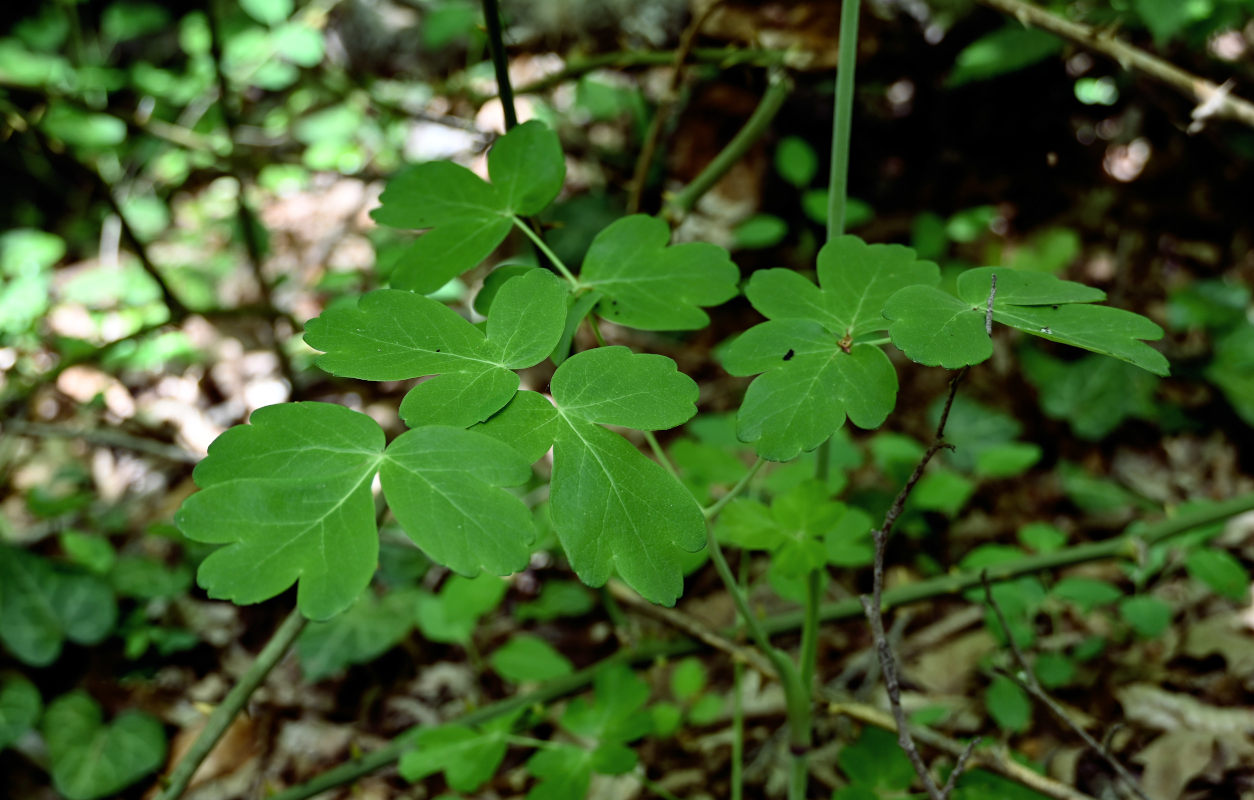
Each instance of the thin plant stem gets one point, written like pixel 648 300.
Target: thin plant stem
pixel 595 327
pixel 544 248
pixel 810 628
pixel 222 717
pixel 712 511
pixel 662 458
pixel 653 136
pixel 683 201
pixel 1129 545
pixel 1027 679
pixel 738 709
pixel 842 123
pixel 500 62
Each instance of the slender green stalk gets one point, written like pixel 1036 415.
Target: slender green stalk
pixel 842 124
pixel 777 89
pixel 225 713
pixel 1129 545
pixel 738 712
pixel 662 458
pixel 783 667
pixel 544 248
pixel 500 62
pixel 711 511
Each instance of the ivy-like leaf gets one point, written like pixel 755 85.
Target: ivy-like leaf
pixel 289 494
pixel 467 216
pixel 646 284
pixel 817 369
pixel 41 606
pixel 794 528
pixel 392 335
pixel 937 329
pixel 89 759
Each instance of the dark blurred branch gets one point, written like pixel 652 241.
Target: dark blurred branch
pixel 106 437
pixel 660 115
pixel 1210 100
pixel 500 61
pixel 682 202
pixel 627 59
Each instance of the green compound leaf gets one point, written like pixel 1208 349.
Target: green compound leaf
pixel 452 615
pixel 467 756
pixel 393 335
pixel 289 494
pixel 646 284
pixel 442 483
pixel 937 329
pixel 89 759
pixel 20 705
pixel 564 772
pixel 614 508
pixel 467 216
pixel 815 371
pixel 794 528
pixel 41 606
pixel 367 630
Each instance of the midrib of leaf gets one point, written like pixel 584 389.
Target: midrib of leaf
pixel 414 346
pixel 435 488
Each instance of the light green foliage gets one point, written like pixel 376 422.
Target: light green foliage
pixel 89 759
pixel 938 329
pixel 393 335
pixel 467 756
pixel 529 658
pixel 1005 50
pixel 148 578
pixel 26 260
pixel 759 232
pixel 451 615
pixel 468 216
pixel 942 490
pixel 649 285
pixel 1042 537
pixel 369 628
pixel 857 212
pixel 290 496
pixel 817 369
pixel 795 161
pixel 93 553
pixel 1222 573
pixel 688 679
pixel 20 705
pixel 803 528
pixel 564 772
pixel 1008 704
pixel 1054 670
pixel 1232 369
pixel 875 764
pixel 980 785
pixel 1087 593
pixel 42 605
pixel 1050 251
pixel 1093 394
pixel 557 599
pixel 1148 616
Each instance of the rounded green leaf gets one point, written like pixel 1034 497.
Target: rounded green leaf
pixel 937 329
pixel 289 494
pixel 443 485
pixel 42 605
pixel 89 759
pixel 529 658
pixel 1022 288
pixel 1008 705
pixel 614 386
pixel 20 705
pixel 652 286
pixel 1148 616
pixel 369 628
pixel 267 12
pixel 527 167
pixel 1221 571
pixel 772 344
pixel 796 161
pixel 527 318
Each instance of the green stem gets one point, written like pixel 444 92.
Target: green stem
pixel 810 627
pixel 711 511
pixel 1129 545
pixel 662 458
pixel 500 63
pixel 230 707
pixel 783 667
pixel 777 89
pixel 544 248
pixel 842 124
pixel 595 327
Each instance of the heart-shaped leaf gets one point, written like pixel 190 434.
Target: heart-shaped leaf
pixel 42 605
pixel 20 705
pixel 392 335
pixel 938 329
pixel 89 759
pixel 648 285
pixel 468 217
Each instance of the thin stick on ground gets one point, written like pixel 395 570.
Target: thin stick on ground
pixel 1028 680
pixel 873 608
